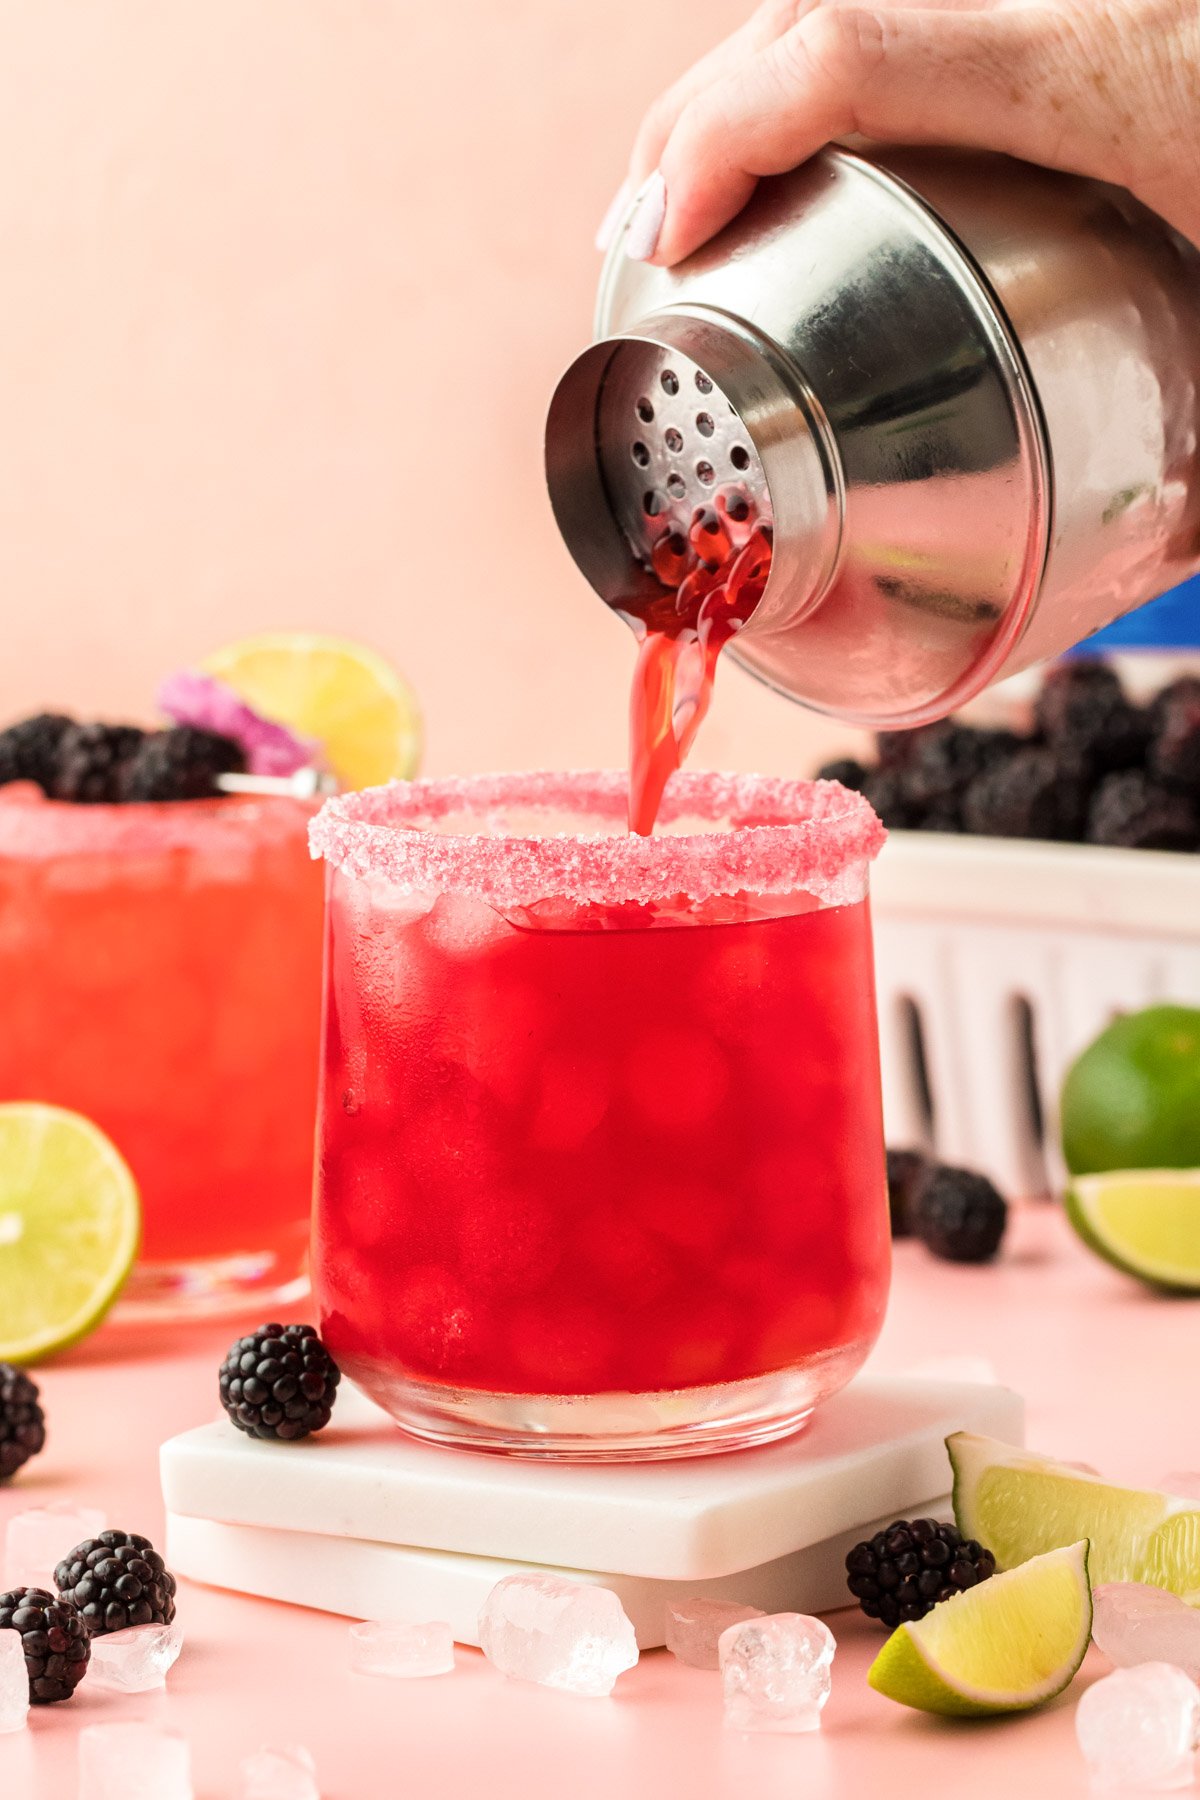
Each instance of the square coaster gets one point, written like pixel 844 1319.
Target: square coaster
pixel 875 1450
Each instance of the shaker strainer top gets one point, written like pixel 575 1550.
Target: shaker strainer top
pixel 670 444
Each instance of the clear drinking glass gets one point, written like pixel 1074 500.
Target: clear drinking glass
pixel 601 1164
pixel 160 966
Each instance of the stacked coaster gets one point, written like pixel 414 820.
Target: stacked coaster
pixel 365 1521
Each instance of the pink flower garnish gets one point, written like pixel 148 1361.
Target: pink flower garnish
pixel 191 698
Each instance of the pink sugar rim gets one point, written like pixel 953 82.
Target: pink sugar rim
pixel 41 830
pixel 784 837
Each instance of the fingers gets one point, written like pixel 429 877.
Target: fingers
pixel 769 23
pixel 762 28
pixel 981 78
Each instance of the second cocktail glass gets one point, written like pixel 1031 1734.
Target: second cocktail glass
pixel 601 1149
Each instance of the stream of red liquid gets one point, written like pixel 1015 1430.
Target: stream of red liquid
pixel 712 579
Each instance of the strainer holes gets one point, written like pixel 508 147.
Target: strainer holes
pixel 640 454
pixel 653 503
pixel 703 382
pixel 676 486
pixel 705 473
pixel 673 439
pixel 704 424
pixel 670 381
pixel 739 456
pixel 645 411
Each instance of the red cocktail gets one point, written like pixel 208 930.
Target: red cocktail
pixel 601 1151
pixel 160 970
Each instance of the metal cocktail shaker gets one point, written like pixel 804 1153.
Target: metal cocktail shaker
pixel 965 392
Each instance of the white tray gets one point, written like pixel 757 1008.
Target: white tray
pixel 997 962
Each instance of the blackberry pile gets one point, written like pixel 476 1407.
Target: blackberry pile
pixel 96 764
pixel 1094 768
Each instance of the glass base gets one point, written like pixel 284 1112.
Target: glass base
pixel 210 1288
pixel 594 1428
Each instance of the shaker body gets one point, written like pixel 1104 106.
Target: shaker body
pixel 967 390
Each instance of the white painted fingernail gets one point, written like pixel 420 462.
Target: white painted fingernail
pixel 616 212
pixel 645 223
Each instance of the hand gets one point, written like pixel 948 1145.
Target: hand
pixel 1108 88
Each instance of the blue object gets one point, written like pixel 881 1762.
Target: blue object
pixel 1171 622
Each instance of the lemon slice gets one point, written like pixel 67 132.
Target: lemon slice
pixel 69 1227
pixel 1011 1643
pixel 1145 1221
pixel 1020 1505
pixel 362 713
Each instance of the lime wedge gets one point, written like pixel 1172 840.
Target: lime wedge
pixel 69 1227
pixel 1020 1505
pixel 1009 1644
pixel 354 703
pixel 1145 1221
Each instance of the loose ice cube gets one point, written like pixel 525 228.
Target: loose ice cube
pixel 775 1672
pixel 37 1541
pixel 1136 1624
pixel 133 1762
pixel 1138 1728
pixel 563 1634
pixel 389 1647
pixel 280 1774
pixel 136 1659
pixel 14 1682
pixel 694 1626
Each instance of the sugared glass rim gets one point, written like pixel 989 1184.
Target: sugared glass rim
pixel 782 837
pixel 35 829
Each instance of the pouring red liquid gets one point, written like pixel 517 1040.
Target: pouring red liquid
pixel 712 580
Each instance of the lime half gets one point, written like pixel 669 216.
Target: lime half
pixel 1009 1644
pixel 1146 1221
pixel 69 1227
pixel 1021 1505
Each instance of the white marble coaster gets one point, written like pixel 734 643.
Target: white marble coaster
pixel 875 1450
pixel 374 1581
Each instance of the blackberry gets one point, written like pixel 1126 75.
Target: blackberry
pixel 902 1573
pixel 92 760
pixel 54 1638
pixel 1033 793
pixel 280 1382
pixel 959 1215
pixel 116 1580
pixel 28 749
pixel 22 1422
pixel 181 764
pixel 1083 711
pixel 944 760
pixel 1185 688
pixel 1134 812
pixel 1174 757
pixel 907 1171
pixel 886 791
pixel 850 773
pixel 893 748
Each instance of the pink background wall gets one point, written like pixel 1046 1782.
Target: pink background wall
pixel 286 285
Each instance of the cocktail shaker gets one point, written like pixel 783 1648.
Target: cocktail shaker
pixel 962 390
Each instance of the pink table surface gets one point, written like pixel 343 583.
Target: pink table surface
pixel 1108 1372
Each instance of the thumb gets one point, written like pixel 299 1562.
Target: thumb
pixel 996 80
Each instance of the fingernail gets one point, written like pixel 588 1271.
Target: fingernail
pixel 645 222
pixel 614 215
